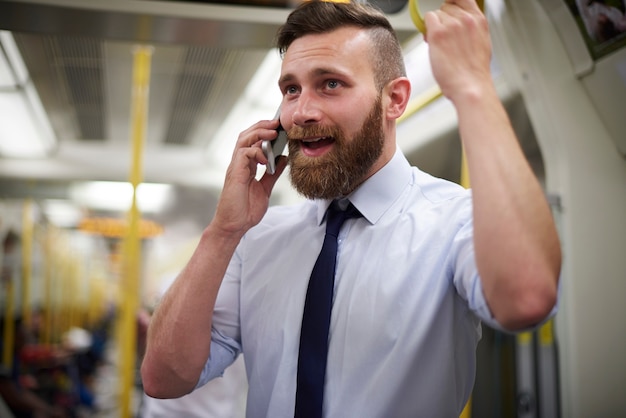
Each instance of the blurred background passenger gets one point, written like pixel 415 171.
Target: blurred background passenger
pixel 18 388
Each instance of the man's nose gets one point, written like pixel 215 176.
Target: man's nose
pixel 307 110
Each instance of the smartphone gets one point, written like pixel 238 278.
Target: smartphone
pixel 274 148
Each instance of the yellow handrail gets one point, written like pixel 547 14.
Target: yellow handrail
pixel 9 325
pixel 420 102
pixel 27 259
pixel 418 19
pixel 132 244
pixel 45 336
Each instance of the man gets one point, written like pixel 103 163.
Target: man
pixel 415 275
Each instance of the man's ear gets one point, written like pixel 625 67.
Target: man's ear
pixel 397 93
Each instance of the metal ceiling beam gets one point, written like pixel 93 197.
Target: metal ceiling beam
pixel 146 21
pixel 158 21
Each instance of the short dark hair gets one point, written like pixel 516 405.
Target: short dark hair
pixel 316 17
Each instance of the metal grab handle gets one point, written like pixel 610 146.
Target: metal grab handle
pixel 418 19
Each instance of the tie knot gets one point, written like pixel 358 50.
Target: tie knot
pixel 335 217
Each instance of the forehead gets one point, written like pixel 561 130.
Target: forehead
pixel 347 48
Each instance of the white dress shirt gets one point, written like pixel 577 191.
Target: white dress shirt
pixel 224 397
pixel 407 306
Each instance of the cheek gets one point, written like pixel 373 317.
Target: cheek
pixel 351 115
pixel 286 115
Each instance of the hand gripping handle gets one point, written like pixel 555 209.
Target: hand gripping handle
pixel 418 19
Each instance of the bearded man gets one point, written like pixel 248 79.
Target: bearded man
pixel 417 268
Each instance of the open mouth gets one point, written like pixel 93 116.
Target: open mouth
pixel 317 143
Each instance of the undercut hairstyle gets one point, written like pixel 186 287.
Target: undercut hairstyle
pixel 318 17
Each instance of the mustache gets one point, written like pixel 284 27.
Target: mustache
pixel 300 132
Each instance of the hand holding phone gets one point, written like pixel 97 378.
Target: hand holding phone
pixel 274 148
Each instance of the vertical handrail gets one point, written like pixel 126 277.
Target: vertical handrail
pixel 45 337
pixel 27 259
pixel 132 248
pixel 9 325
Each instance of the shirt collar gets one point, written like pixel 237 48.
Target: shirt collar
pixel 376 195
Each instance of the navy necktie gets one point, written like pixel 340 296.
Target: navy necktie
pixel 316 319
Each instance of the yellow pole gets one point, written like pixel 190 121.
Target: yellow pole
pixel 27 251
pixel 546 334
pixel 9 326
pixel 132 253
pixel 62 297
pixel 45 335
pixel 72 303
pixel 55 310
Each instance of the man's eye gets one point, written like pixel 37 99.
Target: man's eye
pixel 291 90
pixel 332 84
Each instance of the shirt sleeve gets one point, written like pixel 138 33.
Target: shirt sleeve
pixel 466 278
pixel 226 332
pixel 224 352
pixel 468 282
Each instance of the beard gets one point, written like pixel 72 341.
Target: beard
pixel 340 171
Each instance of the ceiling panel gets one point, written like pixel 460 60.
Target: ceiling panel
pixel 79 55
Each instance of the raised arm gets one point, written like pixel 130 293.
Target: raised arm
pixel 516 243
pixel 178 343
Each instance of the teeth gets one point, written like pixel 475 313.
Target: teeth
pixel 313 139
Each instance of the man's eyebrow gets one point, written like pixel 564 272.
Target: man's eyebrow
pixel 286 79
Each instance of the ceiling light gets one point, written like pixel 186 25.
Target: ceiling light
pixel 117 196
pixel 12 69
pixel 21 134
pixel 25 131
pixel 62 213
pixel 7 78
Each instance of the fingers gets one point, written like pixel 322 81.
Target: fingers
pixel 456 16
pixel 460 11
pixel 260 131
pixel 248 151
pixel 467 5
pixel 460 47
pixel 244 199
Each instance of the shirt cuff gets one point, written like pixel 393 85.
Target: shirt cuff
pixel 224 351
